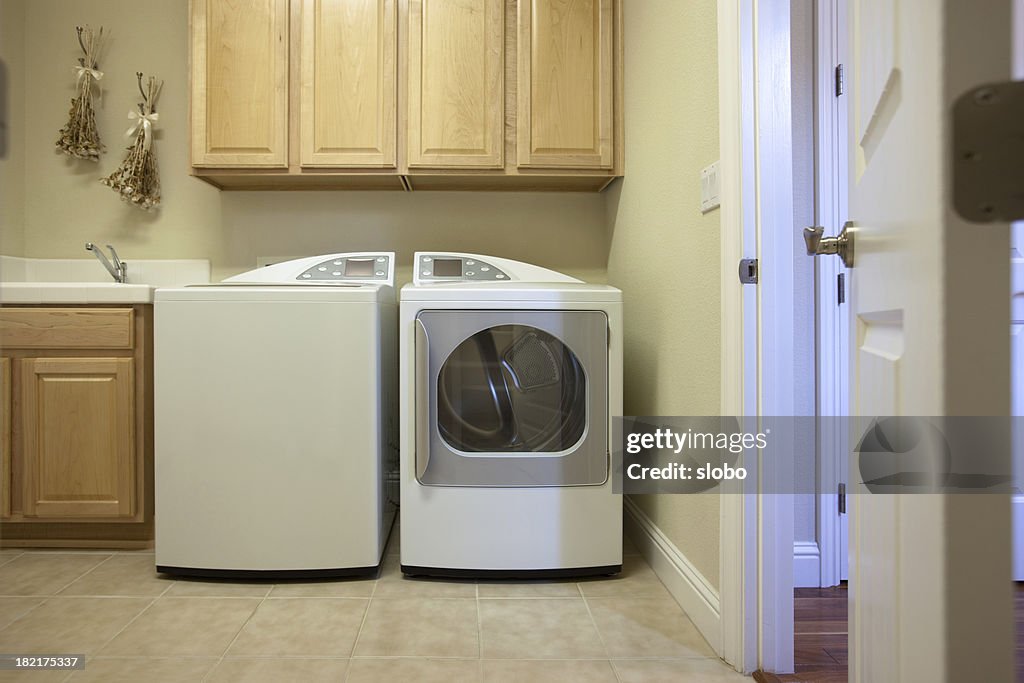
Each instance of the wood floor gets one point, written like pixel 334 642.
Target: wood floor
pixel 820 626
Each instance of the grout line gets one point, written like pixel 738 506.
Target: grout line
pixel 362 623
pixel 10 559
pixel 237 633
pixel 479 632
pixel 600 636
pixel 131 621
pixel 83 575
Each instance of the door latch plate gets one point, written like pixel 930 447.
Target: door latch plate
pixel 988 153
pixel 748 271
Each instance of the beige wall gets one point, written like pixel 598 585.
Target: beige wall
pixel 65 205
pixel 663 252
pixel 12 144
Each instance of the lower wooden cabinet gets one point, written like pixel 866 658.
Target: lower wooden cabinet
pixel 77 443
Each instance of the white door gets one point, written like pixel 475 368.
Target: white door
pixel 930 597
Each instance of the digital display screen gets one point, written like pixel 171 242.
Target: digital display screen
pixel 447 267
pixel 360 268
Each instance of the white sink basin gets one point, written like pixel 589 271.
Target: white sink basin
pixel 84 281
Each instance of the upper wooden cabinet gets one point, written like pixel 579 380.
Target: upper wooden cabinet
pixel 566 97
pixel 348 74
pixel 407 94
pixel 456 83
pixel 240 83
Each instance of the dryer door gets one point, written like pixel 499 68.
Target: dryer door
pixel 512 398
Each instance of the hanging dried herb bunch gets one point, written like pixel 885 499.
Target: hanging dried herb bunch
pixel 79 138
pixel 137 179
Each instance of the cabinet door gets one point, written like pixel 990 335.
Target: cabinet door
pixel 240 83
pixel 79 437
pixel 5 437
pixel 456 83
pixel 348 80
pixel 565 55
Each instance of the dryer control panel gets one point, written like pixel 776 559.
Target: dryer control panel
pixel 442 267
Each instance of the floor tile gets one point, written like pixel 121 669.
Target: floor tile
pixel 646 627
pixel 342 588
pixel 694 670
pixel 148 669
pixel 528 589
pixel 637 579
pixel 8 555
pixel 413 670
pixel 279 670
pixel 70 625
pixel 552 671
pixel 301 627
pixel 538 629
pixel 34 676
pixel 121 575
pixel 419 627
pixel 44 573
pixel 194 588
pixel 12 608
pixel 194 627
pixel 392 584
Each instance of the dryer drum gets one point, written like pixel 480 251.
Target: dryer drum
pixel 529 397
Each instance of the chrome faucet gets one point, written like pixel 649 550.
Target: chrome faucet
pixel 118 270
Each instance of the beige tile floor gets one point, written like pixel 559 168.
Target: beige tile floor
pixel 138 627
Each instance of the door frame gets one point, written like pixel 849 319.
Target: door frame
pixel 755 123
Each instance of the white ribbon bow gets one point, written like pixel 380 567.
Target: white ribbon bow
pixel 83 70
pixel 86 72
pixel 143 123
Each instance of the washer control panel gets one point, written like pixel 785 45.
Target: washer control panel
pixel 362 268
pixel 447 267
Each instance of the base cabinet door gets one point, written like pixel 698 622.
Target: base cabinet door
pixel 6 410
pixel 78 420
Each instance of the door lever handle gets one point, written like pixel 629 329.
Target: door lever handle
pixel 841 245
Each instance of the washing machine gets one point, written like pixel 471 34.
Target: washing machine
pixel 275 435
pixel 509 377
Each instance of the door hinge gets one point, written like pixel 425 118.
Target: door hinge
pixel 840 81
pixel 748 271
pixel 988 145
pixel 840 289
pixel 842 499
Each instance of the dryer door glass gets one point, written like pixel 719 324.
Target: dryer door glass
pixel 511 398
pixel 512 389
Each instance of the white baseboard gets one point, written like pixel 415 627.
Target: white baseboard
pixel 806 564
pixel 692 591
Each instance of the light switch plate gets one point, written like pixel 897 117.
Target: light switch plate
pixel 710 188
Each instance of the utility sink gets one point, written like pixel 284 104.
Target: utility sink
pixel 85 281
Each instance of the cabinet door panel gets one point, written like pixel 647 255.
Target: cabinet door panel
pixel 348 81
pixel 6 409
pixel 240 83
pixel 79 437
pixel 565 55
pixel 456 83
